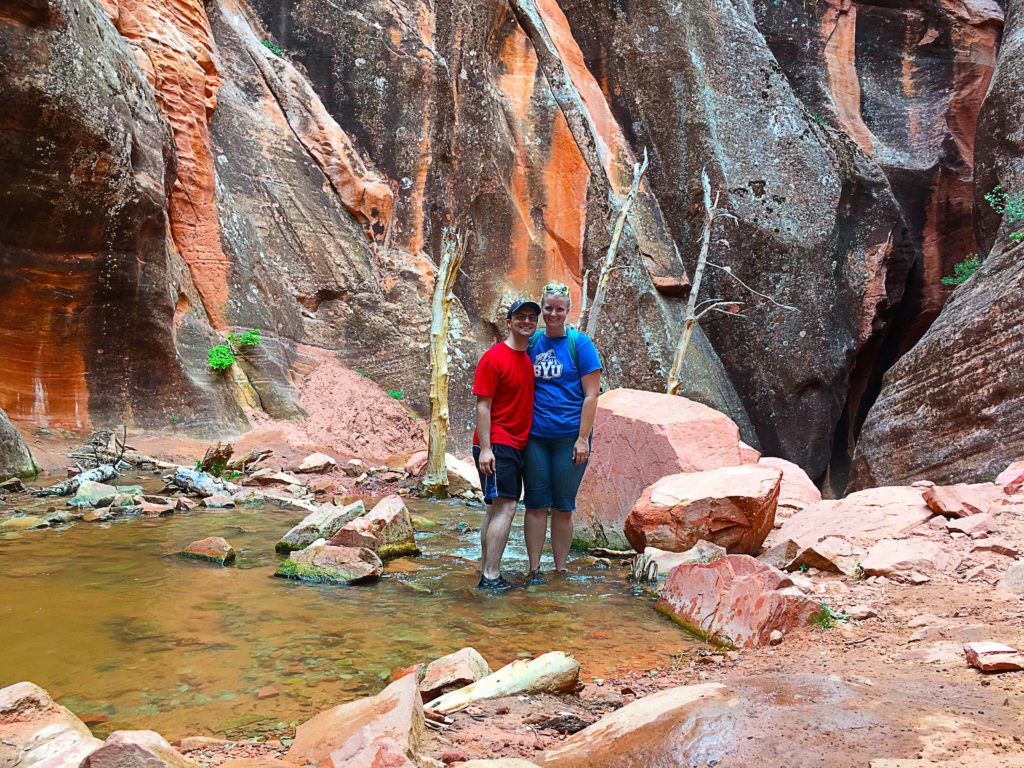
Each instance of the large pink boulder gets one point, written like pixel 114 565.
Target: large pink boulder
pixel 733 507
pixel 137 749
pixel 688 725
pixel 37 732
pixel 862 518
pixel 1012 478
pixel 386 529
pixel 395 715
pixel 737 601
pixel 797 492
pixel 640 437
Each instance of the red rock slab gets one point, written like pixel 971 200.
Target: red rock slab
pixel 956 500
pixel 214 549
pixel 733 507
pixel 971 524
pixel 316 463
pixel 736 600
pixel 37 731
pixel 798 491
pixel 863 518
pixel 396 713
pixel 137 748
pixel 678 726
pixel 453 671
pixel 903 557
pixel 645 436
pixel 1012 476
pixel 993 657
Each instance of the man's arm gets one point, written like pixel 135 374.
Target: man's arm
pixel 483 434
pixel 591 389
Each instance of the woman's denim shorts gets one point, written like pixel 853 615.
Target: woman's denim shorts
pixel 550 477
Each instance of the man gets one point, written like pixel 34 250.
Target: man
pixel 503 385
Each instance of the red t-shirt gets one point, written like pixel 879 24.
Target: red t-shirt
pixel 506 376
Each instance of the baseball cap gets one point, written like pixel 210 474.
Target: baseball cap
pixel 519 304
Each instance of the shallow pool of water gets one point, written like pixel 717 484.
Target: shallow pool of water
pixel 117 627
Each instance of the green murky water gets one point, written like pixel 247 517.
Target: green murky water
pixel 116 627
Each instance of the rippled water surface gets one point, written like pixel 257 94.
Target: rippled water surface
pixel 117 627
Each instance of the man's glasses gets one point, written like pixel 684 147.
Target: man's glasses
pixel 561 288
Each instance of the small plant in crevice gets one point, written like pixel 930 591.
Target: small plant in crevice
pixel 1011 207
pixel 963 270
pixel 396 394
pixel 826 618
pixel 274 48
pixel 222 356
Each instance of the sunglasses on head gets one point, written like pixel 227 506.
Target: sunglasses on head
pixel 561 288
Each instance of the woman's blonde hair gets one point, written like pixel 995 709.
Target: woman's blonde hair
pixel 556 289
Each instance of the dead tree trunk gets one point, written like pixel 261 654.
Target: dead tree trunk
pixel 594 312
pixel 696 309
pixel 453 250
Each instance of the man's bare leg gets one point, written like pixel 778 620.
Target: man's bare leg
pixel 561 537
pixel 496 530
pixel 483 537
pixel 535 530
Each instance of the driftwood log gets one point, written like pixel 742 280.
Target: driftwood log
pixel 70 486
pixel 200 483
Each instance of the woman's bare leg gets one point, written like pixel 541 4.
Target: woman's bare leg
pixel 561 537
pixel 535 530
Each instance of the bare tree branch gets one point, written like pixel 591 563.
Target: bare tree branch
pixel 734 276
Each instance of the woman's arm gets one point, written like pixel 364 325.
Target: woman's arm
pixel 591 389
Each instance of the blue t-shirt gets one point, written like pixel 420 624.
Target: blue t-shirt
pixel 558 392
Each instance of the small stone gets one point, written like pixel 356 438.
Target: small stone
pixel 267 692
pixel 993 657
pixel 860 612
pixel 924 620
pixel 981 573
pixel 213 549
pixel 970 524
pixel 775 637
pixel 316 463
pixel 999 546
pixel 218 501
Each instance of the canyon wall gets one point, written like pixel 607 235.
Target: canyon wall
pixel 950 409
pixel 190 178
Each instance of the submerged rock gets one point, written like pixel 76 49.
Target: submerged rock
pixel 23 523
pixel 733 507
pixel 736 600
pixel 213 549
pixel 93 494
pixel 325 564
pixel 37 731
pixel 386 529
pixel 321 524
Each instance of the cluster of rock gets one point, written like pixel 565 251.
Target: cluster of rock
pixel 729 530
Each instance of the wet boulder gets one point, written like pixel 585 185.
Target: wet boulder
pixel 321 524
pixel 38 731
pixel 23 523
pixel 15 457
pixel 737 601
pixel 93 494
pixel 386 529
pixel 456 670
pixel 325 564
pixel 733 507
pixel 363 726
pixel 646 436
pixel 213 549
pixel 137 748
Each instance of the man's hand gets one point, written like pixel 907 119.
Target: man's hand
pixel 487 461
pixel 580 451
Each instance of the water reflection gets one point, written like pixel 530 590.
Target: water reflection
pixel 107 618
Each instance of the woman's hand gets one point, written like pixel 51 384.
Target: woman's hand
pixel 580 451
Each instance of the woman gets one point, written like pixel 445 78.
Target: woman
pixel 567 379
